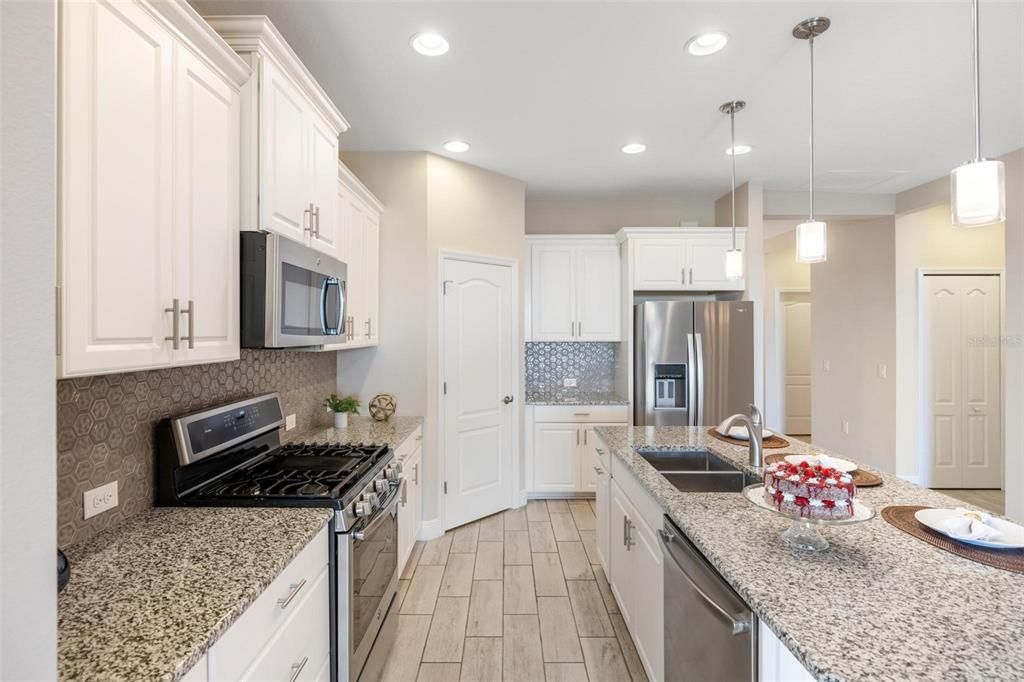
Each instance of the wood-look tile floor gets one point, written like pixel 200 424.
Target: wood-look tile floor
pixel 992 500
pixel 517 596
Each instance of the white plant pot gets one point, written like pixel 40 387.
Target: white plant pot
pixel 341 420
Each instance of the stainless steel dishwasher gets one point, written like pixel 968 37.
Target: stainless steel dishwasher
pixel 710 633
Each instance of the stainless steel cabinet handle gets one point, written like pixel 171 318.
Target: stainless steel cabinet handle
pixel 625 532
pixel 682 276
pixel 599 451
pixel 308 228
pixel 367 327
pixel 579 329
pixel 584 436
pixel 284 601
pixel 577 436
pixel 599 471
pixel 317 214
pixel 174 310
pixel 581 414
pixel 416 474
pixel 691 269
pixel 405 494
pixel 297 668
pixel 191 312
pixel 739 624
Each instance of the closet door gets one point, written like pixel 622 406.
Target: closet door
pixel 116 188
pixel 206 230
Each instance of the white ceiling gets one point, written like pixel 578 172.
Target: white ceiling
pixel 548 92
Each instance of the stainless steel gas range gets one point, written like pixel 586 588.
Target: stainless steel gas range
pixel 232 455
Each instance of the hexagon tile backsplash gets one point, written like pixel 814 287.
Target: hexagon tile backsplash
pixel 106 424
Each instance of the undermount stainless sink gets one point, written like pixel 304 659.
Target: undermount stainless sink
pixel 697 471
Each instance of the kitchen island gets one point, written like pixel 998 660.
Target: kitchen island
pixel 878 605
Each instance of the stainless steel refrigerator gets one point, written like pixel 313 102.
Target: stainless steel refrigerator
pixel 694 362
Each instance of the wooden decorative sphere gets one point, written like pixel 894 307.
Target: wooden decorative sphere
pixel 382 407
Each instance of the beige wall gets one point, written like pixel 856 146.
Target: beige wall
pixel 605 215
pixel 431 204
pixel 853 329
pixel 927 239
pixel 723 207
pixel 1013 476
pixel 781 271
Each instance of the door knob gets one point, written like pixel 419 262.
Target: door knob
pixel 507 399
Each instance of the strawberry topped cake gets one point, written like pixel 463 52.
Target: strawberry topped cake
pixel 809 490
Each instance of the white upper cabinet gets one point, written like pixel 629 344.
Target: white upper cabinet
pixel 149 128
pixel 575 289
pixel 290 132
pixel 681 259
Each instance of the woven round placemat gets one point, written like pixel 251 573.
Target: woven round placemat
pixel 861 478
pixel 902 516
pixel 769 442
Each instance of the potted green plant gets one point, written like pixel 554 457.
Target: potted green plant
pixel 341 407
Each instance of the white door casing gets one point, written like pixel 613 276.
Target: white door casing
pixel 796 363
pixel 961 380
pixel 477 349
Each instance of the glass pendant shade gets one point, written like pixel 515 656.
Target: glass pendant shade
pixel 978 192
pixel 811 242
pixel 734 264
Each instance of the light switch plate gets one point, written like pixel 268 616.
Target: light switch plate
pixel 846 426
pixel 289 422
pixel 99 500
pixel 826 365
pixel 883 371
pixel 569 382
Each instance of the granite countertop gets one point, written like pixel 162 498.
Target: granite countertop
pixel 393 432
pixel 148 597
pixel 878 605
pixel 574 397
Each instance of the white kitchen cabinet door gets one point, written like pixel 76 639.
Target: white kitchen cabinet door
pixel 206 220
pixel 648 608
pixel 556 457
pixel 705 263
pixel 620 573
pixel 356 285
pixel 659 264
pixel 553 293
pixel 598 293
pixel 602 495
pixel 323 183
pixel 284 195
pixel 116 257
pixel 775 662
pixel 590 461
pixel 371 281
pixel 410 510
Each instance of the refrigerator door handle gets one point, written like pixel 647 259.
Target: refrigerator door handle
pixel 691 381
pixel 700 379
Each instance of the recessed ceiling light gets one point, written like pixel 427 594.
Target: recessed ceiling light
pixel 456 146
pixel 429 44
pixel 706 43
pixel 634 148
pixel 739 150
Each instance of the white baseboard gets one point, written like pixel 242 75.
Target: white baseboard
pixel 430 529
pixel 521 498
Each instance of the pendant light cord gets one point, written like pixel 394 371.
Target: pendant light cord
pixel 977 83
pixel 732 134
pixel 810 43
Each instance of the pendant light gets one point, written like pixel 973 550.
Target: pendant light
pixel 811 236
pixel 978 188
pixel 734 256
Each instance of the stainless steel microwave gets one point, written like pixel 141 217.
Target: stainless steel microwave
pixel 292 295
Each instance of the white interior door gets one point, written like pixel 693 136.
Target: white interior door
pixel 477 344
pixel 796 363
pixel 962 380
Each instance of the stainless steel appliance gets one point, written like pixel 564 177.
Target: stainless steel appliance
pixel 292 295
pixel 694 361
pixel 232 455
pixel 710 633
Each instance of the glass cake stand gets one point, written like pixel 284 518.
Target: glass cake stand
pixel 803 534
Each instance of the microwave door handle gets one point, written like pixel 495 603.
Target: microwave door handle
pixel 341 307
pixel 323 304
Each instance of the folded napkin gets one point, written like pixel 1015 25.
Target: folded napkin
pixel 971 524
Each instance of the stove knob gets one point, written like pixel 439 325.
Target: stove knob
pixel 381 485
pixel 362 509
pixel 393 473
pixel 371 500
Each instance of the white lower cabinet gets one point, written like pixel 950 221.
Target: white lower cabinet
pixel 775 663
pixel 285 633
pixel 563 446
pixel 410 508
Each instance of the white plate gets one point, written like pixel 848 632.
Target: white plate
pixel 741 433
pixel 1013 535
pixel 844 465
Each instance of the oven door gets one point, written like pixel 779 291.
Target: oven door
pixel 305 297
pixel 374 578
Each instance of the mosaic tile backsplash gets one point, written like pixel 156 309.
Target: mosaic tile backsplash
pixel 592 364
pixel 106 424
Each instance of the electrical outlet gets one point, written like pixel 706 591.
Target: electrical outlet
pixel 883 371
pixel 100 499
pixel 846 426
pixel 289 422
pixel 569 382
pixel 826 365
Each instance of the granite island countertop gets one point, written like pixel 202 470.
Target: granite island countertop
pixel 879 604
pixel 393 432
pixel 574 397
pixel 148 597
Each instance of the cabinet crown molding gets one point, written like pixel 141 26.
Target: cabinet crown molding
pixel 572 238
pixel 256 33
pixel 189 26
pixel 347 178
pixel 639 232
